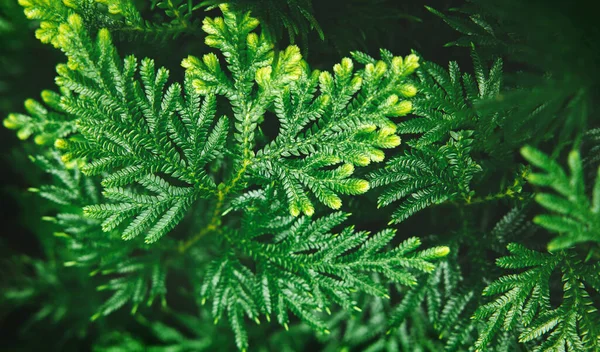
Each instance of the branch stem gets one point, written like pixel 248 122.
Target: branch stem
pixel 215 220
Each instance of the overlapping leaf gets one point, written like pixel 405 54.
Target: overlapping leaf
pixel 304 267
pixel 524 298
pixel 327 123
pixel 575 217
pixel 429 176
pixel 139 131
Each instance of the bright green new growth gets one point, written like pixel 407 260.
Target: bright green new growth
pixel 122 18
pixel 577 217
pixel 45 125
pixel 159 150
pixel 336 127
pixel 237 167
pixel 438 167
pixel 145 132
pixel 131 129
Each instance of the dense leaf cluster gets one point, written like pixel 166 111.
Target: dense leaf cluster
pixel 248 194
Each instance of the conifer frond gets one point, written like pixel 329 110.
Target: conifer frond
pixel 296 17
pixel 367 330
pixel 51 14
pixel 591 148
pixel 450 295
pixel 45 124
pixel 246 156
pixel 524 298
pixel 305 268
pixel 169 336
pixel 450 101
pixel 325 120
pixel 44 287
pixel 138 130
pixel 576 217
pixel 123 18
pixel 70 187
pixel 133 26
pixel 140 280
pixel 447 304
pixel 301 21
pixel 428 176
pixel 134 279
pixel 548 98
pixel 447 102
pixel 155 145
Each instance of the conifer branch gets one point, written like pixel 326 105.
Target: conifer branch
pixel 237 166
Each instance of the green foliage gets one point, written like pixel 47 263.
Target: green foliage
pixel 134 279
pixel 46 125
pixel 147 144
pixel 523 299
pixel 69 186
pixel 302 267
pixel 120 16
pixel 576 217
pixel 142 131
pixel 296 17
pixel 428 176
pixel 338 127
pixel 553 93
pixel 157 149
pixel 52 14
pixel 450 295
pixel 591 147
pixel 322 26
pixel 366 331
pixel 168 336
pixel 439 167
pixel 131 24
pixel 448 100
pixel 44 287
pixel 229 187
